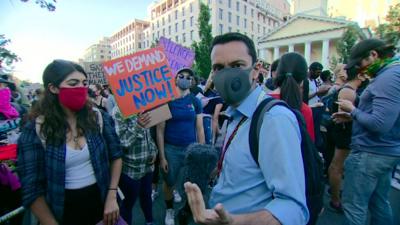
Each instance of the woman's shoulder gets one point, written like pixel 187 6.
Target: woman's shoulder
pixel 347 93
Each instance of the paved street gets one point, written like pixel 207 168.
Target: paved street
pixel 328 217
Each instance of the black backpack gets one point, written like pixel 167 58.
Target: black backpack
pixel 313 164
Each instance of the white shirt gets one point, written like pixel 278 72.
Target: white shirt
pixel 79 171
pixel 312 89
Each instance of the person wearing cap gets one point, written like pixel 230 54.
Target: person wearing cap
pixel 176 134
pixel 69 155
pixel 375 143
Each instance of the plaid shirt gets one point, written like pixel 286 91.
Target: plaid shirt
pixel 42 171
pixel 139 147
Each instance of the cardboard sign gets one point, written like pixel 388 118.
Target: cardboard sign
pixel 178 56
pixel 95 72
pixel 158 115
pixel 141 81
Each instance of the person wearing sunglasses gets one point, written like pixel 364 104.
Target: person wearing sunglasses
pixel 176 134
pixel 375 143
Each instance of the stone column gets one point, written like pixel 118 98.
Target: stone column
pixel 307 52
pixel 291 48
pixel 276 53
pixel 325 53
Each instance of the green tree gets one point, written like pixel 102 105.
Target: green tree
pixel 7 57
pixel 348 40
pixel 390 31
pixel 154 43
pixel 202 63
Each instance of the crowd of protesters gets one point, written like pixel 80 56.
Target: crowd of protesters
pixel 81 162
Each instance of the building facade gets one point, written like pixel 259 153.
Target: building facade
pixel 100 51
pixel 316 41
pixel 130 39
pixel 369 13
pixel 177 19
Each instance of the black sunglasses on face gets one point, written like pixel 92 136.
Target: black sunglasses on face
pixel 181 76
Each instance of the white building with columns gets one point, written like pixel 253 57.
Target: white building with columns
pixel 315 37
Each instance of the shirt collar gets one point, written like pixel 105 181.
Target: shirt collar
pixel 247 107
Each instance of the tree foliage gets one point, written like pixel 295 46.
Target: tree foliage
pixel 49 5
pixel 390 31
pixel 7 57
pixel 202 64
pixel 348 40
pixel 154 43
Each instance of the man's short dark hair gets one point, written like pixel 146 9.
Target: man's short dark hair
pixel 316 66
pixel 326 75
pixel 234 36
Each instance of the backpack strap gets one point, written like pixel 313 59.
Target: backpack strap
pixel 256 123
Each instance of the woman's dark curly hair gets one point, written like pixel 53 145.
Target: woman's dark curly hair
pixel 55 125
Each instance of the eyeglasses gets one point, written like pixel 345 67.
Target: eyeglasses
pixel 181 76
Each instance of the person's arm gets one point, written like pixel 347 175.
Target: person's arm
pixel 110 104
pixel 386 96
pixel 32 175
pixel 219 216
pixel 111 209
pixel 200 129
pixel 199 120
pixel 215 122
pixel 257 218
pixel 104 102
pixel 42 211
pixel 160 129
pixel 347 94
pixel 385 105
pixel 282 166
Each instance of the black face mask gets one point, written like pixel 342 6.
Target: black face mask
pixel 233 84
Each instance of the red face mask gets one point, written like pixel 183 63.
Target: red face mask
pixel 73 98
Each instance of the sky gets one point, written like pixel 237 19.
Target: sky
pixel 39 36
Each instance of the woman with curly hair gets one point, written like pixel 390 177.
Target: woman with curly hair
pixel 69 154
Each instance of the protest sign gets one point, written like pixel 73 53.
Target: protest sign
pixel 95 72
pixel 178 56
pixel 141 81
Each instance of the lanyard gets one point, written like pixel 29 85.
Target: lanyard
pixel 225 148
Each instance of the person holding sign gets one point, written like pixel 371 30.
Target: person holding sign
pixel 69 156
pixel 176 134
pixel 138 163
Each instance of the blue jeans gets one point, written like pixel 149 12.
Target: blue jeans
pixel 175 155
pixel 207 124
pixel 366 186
